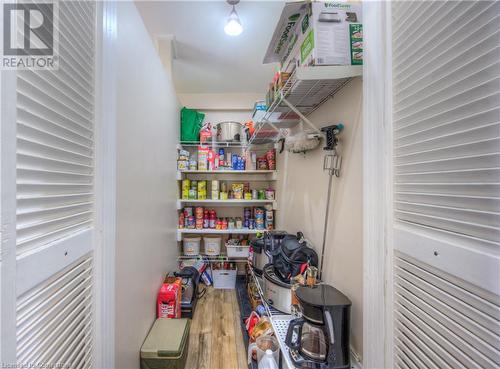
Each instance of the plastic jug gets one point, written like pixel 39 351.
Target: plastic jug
pixel 268 361
pixel 261 345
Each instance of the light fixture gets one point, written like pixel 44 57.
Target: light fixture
pixel 233 24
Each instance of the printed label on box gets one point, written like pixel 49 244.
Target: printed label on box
pixel 356 37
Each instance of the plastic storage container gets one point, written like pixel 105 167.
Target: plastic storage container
pixel 224 278
pixel 191 245
pixel 212 245
pixel 166 346
pixel 238 251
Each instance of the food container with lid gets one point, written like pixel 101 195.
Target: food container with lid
pixel 167 344
pixel 212 245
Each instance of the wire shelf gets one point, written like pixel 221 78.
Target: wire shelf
pixel 305 90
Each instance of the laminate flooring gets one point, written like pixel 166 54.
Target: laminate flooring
pixel 215 340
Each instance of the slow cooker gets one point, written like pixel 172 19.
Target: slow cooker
pixel 260 257
pixel 277 293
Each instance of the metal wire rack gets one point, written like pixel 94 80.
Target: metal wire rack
pixel 305 90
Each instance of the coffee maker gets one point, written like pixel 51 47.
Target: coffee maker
pixel 320 338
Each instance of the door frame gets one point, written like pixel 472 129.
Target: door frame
pixel 8 132
pixel 105 184
pixel 377 187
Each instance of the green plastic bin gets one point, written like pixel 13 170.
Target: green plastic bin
pixel 166 346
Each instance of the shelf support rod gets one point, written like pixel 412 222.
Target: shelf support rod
pixel 302 116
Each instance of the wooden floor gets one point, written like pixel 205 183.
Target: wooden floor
pixel 216 341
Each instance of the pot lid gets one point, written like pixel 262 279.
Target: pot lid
pixel 269 274
pixel 322 295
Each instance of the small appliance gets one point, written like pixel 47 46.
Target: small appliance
pixel 320 338
pixel 190 295
pixel 260 257
pixel 264 248
pixel 273 240
pixel 277 293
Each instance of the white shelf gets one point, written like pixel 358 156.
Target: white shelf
pixel 211 257
pixel 305 90
pixel 182 231
pixel 272 174
pixel 209 202
pixel 229 171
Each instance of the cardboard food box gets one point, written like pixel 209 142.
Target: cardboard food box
pixel 318 33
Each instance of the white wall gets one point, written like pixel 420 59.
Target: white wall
pixel 147 132
pixel 220 101
pixel 302 201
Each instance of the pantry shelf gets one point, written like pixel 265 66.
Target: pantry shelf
pixel 210 257
pixel 305 90
pixel 270 174
pixel 180 232
pixel 181 203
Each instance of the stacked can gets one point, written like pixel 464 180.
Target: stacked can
pixel 215 189
pixel 202 190
pixel 259 218
pixel 186 186
pixel 269 217
pixel 234 163
pixel 199 217
pixel 221 157
pixel 193 191
pixel 189 218
pixel 271 159
pixel 247 214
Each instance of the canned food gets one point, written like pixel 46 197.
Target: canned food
pixel 186 184
pixel 199 223
pixel 190 222
pixel 188 211
pixel 239 223
pixel 215 185
pixel 199 212
pixel 262 195
pixel 215 194
pixel 269 194
pixel 185 194
pixel 193 194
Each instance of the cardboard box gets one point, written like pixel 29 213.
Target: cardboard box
pixel 318 33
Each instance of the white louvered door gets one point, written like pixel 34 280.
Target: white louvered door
pixel 55 208
pixel 446 129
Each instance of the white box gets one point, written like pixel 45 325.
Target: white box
pixel 224 278
pixel 237 251
pixel 318 33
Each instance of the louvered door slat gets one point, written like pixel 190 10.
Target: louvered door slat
pixel 52 315
pixel 60 92
pixel 446 193
pixel 55 199
pixel 465 324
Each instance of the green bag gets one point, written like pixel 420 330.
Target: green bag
pixel 191 121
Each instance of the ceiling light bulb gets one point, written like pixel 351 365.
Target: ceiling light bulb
pixel 233 25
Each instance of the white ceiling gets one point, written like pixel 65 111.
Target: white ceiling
pixel 208 60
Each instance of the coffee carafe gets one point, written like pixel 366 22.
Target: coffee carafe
pixel 320 338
